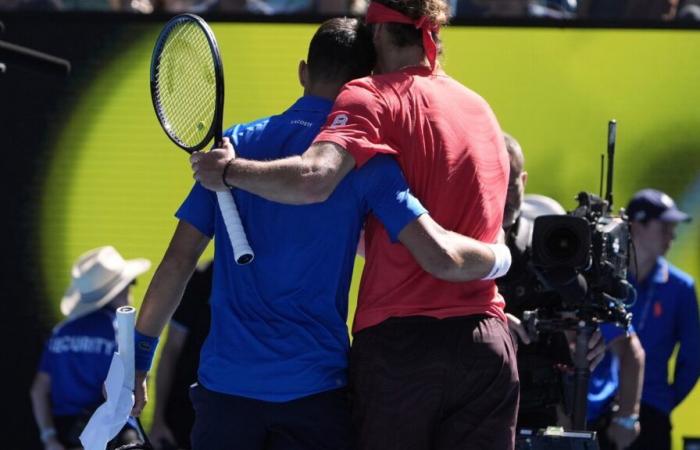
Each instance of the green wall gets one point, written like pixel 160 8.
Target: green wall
pixel 115 178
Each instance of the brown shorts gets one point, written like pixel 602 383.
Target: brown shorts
pixel 420 383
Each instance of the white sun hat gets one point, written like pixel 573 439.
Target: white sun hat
pixel 97 277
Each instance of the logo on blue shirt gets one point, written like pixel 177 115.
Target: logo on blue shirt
pixel 81 344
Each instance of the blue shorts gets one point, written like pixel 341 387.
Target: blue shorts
pixel 317 422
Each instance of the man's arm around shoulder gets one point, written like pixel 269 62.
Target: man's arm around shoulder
pixel 314 175
pixel 302 179
pixel 451 256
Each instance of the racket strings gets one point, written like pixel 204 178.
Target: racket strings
pixel 189 45
pixel 186 84
pixel 192 122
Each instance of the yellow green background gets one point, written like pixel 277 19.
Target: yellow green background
pixel 115 178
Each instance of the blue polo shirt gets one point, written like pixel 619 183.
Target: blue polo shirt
pixel 278 329
pixel 666 314
pixel 77 358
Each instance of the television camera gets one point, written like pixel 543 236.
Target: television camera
pixel 583 257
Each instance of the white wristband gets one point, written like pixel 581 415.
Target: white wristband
pixel 502 262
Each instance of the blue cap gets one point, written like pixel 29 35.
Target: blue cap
pixel 649 204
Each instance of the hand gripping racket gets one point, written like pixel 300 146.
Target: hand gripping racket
pixel 187 89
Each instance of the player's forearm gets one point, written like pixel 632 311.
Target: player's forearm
pixel 164 294
pixel 308 178
pixel 169 282
pixel 462 259
pixel 444 254
pixel 289 180
pixel 470 259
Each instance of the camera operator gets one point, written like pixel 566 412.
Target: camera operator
pixel 540 363
pixel 665 314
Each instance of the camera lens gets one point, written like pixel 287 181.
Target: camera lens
pixel 562 244
pixel 560 241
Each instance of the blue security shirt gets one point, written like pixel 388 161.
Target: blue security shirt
pixel 666 314
pixel 278 328
pixel 605 378
pixel 77 359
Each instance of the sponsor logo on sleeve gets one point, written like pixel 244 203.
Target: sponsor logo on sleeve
pixel 339 121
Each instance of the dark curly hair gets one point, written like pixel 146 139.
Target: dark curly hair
pixel 403 35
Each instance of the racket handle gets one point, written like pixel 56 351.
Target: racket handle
pixel 241 249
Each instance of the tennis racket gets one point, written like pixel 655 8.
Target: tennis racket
pixel 187 90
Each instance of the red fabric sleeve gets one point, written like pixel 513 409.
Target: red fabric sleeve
pixel 355 122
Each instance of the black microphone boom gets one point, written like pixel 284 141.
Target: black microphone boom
pixel 612 137
pixel 33 59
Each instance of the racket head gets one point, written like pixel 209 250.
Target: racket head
pixel 187 82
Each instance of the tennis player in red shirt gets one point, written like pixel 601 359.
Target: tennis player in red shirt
pixel 432 364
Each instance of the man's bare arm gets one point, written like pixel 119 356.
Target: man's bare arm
pixel 168 284
pixel 313 176
pixel 165 292
pixel 444 254
pixel 297 180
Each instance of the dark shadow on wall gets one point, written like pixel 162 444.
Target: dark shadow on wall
pixel 33 108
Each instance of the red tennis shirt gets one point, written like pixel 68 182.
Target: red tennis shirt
pixel 449 144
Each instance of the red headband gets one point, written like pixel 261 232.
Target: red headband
pixel 378 13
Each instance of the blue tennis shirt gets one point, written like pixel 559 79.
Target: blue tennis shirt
pixel 77 358
pixel 278 328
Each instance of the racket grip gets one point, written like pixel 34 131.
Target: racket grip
pixel 242 252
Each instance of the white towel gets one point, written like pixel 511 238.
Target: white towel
pixel 113 414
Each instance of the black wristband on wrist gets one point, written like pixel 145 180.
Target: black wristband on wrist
pixel 223 174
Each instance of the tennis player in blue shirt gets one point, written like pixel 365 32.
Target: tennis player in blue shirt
pixel 664 315
pixel 273 368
